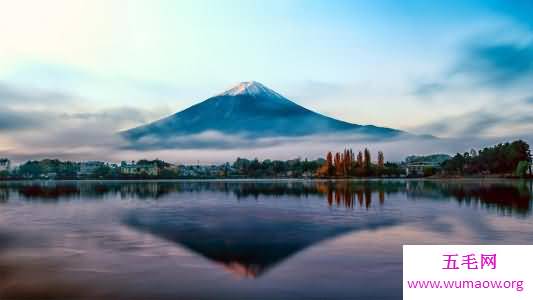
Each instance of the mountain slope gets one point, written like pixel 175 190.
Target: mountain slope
pixel 252 110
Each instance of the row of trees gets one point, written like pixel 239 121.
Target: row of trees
pixel 339 165
pixel 347 164
pixel 53 168
pixel 508 158
pixel 69 170
pixel 272 168
pixel 36 168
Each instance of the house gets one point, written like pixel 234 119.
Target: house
pixel 5 165
pixel 420 168
pixel 89 167
pixel 150 169
pixel 49 175
pixel 424 165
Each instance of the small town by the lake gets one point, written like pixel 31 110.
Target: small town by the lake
pixel 505 160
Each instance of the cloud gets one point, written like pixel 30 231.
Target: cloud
pixel 95 140
pixel 117 115
pixel 112 119
pixel 472 123
pixel 12 120
pixel 10 94
pixel 217 147
pixel 529 100
pixel 482 122
pixel 38 123
pixel 427 89
pixel 497 64
pixel 483 63
pixel 479 122
pixel 40 133
pixel 215 140
pixel 313 147
pixel 34 108
pixel 483 89
pixel 316 91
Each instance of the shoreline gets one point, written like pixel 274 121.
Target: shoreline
pixel 271 179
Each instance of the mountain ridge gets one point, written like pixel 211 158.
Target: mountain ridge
pixel 252 110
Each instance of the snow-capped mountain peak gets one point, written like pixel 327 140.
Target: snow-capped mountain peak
pixel 249 110
pixel 251 88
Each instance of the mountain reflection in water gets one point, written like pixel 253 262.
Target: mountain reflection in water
pixel 165 239
pixel 246 240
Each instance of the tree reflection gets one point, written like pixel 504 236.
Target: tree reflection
pixel 345 193
pixel 504 196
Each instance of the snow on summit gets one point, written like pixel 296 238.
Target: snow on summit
pixel 251 88
pixel 248 110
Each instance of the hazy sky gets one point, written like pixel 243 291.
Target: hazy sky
pixel 70 69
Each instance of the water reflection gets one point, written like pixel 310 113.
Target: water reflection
pixel 504 196
pixel 247 240
pixel 250 239
pixel 344 193
pixel 134 240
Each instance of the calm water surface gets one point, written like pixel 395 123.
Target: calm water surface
pixel 240 240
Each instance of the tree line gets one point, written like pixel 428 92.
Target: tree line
pixel 273 168
pixel 348 164
pixel 504 158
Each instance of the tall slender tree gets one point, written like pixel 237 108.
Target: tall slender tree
pixel 381 160
pixel 360 159
pixel 367 159
pixel 346 162
pixel 329 162
pixel 338 164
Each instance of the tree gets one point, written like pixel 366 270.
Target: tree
pixel 498 159
pixel 103 171
pixel 329 161
pixel 338 164
pixel 521 168
pixel 393 169
pixel 381 160
pixel 360 159
pixel 353 163
pixel 367 159
pixel 429 171
pixel 348 161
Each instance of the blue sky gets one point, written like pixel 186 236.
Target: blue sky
pixel 453 69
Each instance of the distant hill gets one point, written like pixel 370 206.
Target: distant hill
pixel 254 111
pixel 433 159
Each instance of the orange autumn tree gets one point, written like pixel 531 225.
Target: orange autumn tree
pixel 327 168
pixel 346 164
pixel 338 164
pixel 367 160
pixel 348 161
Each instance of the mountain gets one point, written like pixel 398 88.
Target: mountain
pixel 254 111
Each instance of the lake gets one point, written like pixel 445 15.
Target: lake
pixel 250 239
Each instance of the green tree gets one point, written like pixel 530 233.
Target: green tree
pixel 4 175
pixel 429 171
pixel 521 168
